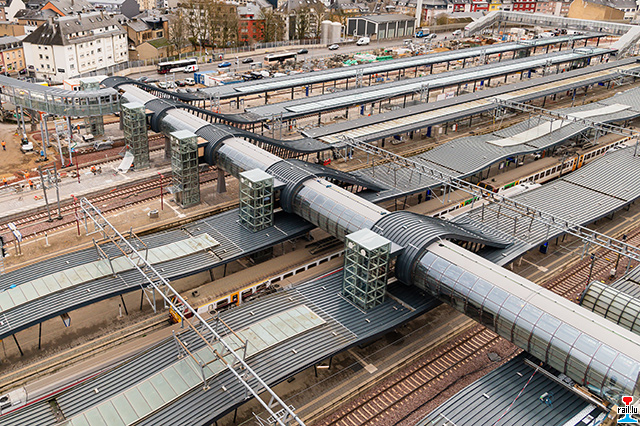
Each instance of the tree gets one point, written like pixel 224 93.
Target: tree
pixel 274 26
pixel 196 18
pixel 442 19
pixel 303 23
pixel 178 32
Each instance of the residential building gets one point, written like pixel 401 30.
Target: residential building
pixel 250 24
pixel 596 10
pixel 214 22
pixel 70 46
pixel 128 8
pixel 528 6
pixel 457 6
pixel 11 29
pixel 304 17
pixel 9 8
pixel 348 7
pixel 12 55
pixel 495 5
pixel 430 9
pixel 31 19
pixel 148 32
pixel 553 7
pixel 479 5
pixel 68 7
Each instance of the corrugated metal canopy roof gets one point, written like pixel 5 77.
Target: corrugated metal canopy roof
pixel 489 399
pixel 250 87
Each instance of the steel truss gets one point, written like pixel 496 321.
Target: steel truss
pixel 604 127
pixel 157 284
pixel 449 183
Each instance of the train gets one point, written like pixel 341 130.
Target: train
pixel 249 292
pixel 570 164
pixel 534 180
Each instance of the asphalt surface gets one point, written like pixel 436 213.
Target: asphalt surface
pixel 315 52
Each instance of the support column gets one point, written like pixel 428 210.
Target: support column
pixel 222 182
pixel 134 123
pixel 184 168
pixel 256 200
pixel 366 263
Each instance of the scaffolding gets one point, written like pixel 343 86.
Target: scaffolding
pixel 184 167
pixel 93 123
pixel 134 124
pixel 256 200
pixel 366 262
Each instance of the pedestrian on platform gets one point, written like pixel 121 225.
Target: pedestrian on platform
pixel 4 181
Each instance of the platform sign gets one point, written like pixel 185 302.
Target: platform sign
pixel 66 319
pixel 14 230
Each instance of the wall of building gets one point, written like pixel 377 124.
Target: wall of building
pixel 10 29
pixel 581 9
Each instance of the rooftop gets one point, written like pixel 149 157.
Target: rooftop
pixel 380 19
pixel 488 401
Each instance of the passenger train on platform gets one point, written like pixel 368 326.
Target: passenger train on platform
pixel 570 164
pixel 245 294
pixel 534 180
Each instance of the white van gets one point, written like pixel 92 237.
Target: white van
pixel 191 68
pixel 363 41
pixel 457 33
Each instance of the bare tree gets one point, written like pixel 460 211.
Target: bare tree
pixel 274 26
pixel 178 32
pixel 303 22
pixel 196 20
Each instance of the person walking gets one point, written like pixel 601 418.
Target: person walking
pixel 4 145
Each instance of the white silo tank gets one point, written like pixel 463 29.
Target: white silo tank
pixel 325 31
pixel 336 30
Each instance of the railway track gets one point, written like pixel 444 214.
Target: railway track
pixel 108 200
pixel 570 283
pixel 378 405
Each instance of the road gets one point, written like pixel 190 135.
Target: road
pixel 257 56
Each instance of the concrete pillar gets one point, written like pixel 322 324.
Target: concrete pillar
pixel 222 182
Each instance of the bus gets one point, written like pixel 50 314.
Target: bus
pixel 175 66
pixel 280 57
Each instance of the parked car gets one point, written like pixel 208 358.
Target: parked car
pixel 190 81
pixel 247 60
pixel 142 79
pixel 225 64
pixel 334 47
pixel 303 52
pixel 180 83
pixel 23 71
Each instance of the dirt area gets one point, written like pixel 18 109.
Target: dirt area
pixel 14 162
